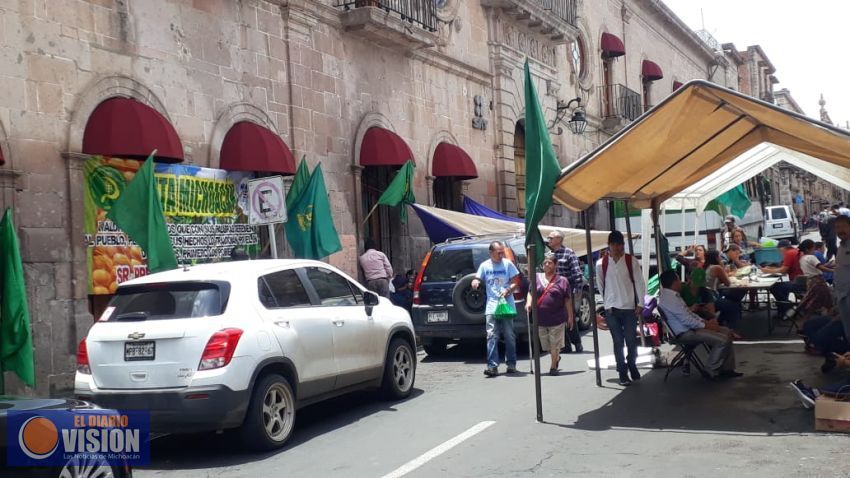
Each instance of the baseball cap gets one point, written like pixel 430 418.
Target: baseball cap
pixel 783 243
pixel 730 219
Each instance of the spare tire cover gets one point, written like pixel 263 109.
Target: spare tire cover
pixel 469 303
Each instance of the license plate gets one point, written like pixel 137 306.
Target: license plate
pixel 139 350
pixel 438 316
pixel 777 226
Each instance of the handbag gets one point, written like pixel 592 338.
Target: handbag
pixel 504 310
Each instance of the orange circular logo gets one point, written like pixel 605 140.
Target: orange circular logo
pixel 38 438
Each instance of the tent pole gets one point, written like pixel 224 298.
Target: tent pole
pixel 657 230
pixel 534 332
pixel 632 252
pixel 591 268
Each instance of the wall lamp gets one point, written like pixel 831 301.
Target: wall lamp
pixel 578 120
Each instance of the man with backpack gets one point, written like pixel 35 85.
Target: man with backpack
pixel 619 277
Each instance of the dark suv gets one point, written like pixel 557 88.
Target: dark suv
pixel 446 308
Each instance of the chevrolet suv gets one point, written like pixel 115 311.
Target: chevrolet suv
pixel 243 345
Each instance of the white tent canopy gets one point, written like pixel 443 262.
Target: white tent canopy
pixel 747 166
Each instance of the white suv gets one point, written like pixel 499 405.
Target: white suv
pixel 243 345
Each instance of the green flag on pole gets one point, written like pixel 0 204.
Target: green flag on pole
pixel 541 168
pixel 734 200
pixel 310 228
pixel 299 184
pixel 138 212
pixel 400 190
pixel 15 333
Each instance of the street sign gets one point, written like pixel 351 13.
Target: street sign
pixel 268 202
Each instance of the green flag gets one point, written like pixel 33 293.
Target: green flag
pixel 138 213
pixel 541 168
pixel 310 228
pixel 15 332
pixel 400 190
pixel 734 200
pixel 302 177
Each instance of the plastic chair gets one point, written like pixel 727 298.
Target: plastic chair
pixel 687 355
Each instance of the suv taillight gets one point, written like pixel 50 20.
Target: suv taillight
pixel 518 292
pixel 83 358
pixel 417 284
pixel 219 349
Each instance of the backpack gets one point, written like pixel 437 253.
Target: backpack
pixel 629 266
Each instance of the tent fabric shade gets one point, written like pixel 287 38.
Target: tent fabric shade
pixel 612 46
pixel 382 147
pixel 686 138
pixel 442 224
pixel 250 147
pixel 451 160
pixel 123 127
pixel 651 71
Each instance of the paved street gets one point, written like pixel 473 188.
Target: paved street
pixel 752 426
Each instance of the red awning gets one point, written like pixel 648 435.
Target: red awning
pixel 651 71
pixel 451 160
pixel 125 128
pixel 2 159
pixel 677 85
pixel 251 147
pixel 382 147
pixel 612 46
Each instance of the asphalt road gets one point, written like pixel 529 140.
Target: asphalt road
pixel 459 423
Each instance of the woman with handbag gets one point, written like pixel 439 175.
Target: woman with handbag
pixel 554 310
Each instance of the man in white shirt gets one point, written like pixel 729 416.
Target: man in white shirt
pixel 619 277
pixel 689 328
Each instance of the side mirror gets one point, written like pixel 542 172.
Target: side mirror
pixel 370 300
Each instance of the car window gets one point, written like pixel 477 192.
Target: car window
pixel 778 213
pixel 282 289
pixel 332 288
pixel 518 248
pixel 451 264
pixel 170 301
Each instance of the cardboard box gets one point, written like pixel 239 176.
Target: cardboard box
pixel 832 415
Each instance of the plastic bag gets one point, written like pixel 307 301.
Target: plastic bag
pixel 504 310
pixel 767 242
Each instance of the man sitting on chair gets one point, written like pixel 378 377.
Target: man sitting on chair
pixel 689 328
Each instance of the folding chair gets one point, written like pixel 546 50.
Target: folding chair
pixel 791 315
pixel 687 355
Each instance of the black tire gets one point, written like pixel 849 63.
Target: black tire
pixel 399 370
pixel 469 303
pixel 436 347
pixel 272 396
pixel 583 313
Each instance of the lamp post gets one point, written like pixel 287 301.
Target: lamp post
pixel 578 120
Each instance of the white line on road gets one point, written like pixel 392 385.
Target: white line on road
pixel 438 450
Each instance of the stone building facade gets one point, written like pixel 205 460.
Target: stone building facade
pixel 324 75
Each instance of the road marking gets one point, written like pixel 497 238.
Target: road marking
pixel 438 450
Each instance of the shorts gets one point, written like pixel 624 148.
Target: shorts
pixel 552 338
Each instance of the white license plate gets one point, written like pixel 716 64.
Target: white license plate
pixel 777 226
pixel 139 350
pixel 438 316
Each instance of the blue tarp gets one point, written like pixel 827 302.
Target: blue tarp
pixel 478 209
pixel 437 229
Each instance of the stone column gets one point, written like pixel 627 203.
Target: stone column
pixel 79 273
pixel 357 173
pixel 429 185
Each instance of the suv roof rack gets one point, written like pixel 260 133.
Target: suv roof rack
pixel 514 235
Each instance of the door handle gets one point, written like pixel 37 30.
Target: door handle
pixel 339 323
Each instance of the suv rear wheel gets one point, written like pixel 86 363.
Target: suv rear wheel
pixel 271 414
pixel 583 316
pixel 399 370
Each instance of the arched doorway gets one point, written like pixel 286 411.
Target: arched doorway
pixel 519 166
pixel 382 153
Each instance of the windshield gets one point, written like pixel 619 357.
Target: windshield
pixel 167 301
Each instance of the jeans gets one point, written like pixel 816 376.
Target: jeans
pixel 379 286
pixel 781 290
pixel 730 312
pixel 623 327
pixel 826 335
pixel 505 329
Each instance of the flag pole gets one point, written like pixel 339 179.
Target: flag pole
pixel 370 214
pixel 591 269
pixel 534 332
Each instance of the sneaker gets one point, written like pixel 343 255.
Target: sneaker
pixel 491 371
pixel 635 374
pixel 730 374
pixel 512 369
pixel 579 348
pixel 624 379
pixel 806 394
pixel 553 372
